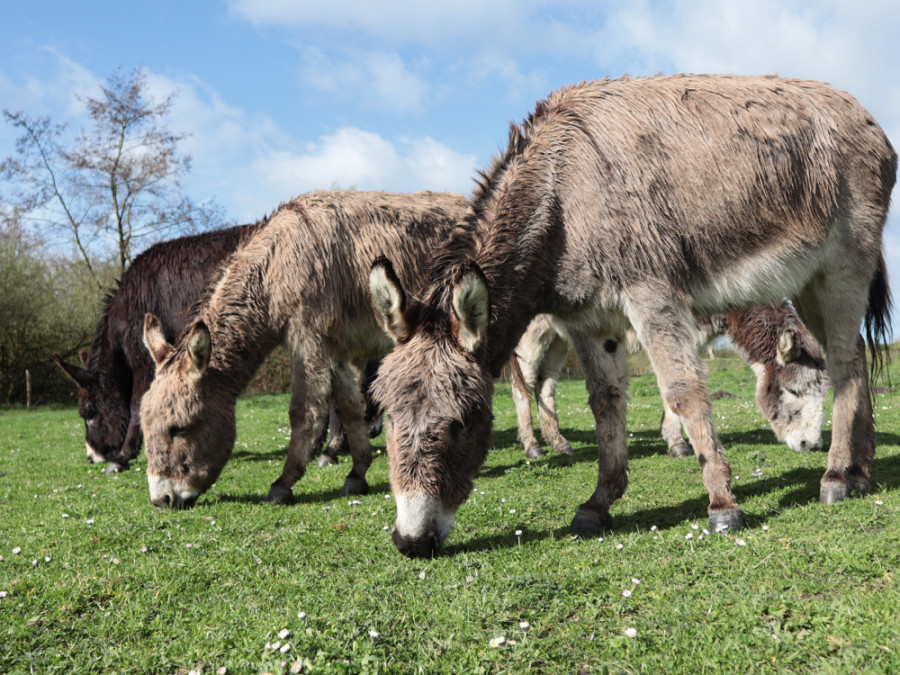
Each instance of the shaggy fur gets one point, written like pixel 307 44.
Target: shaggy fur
pixel 165 280
pixel 640 203
pixel 300 280
pixel 790 387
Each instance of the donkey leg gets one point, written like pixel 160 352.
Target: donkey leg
pixel 833 310
pixel 667 332
pixel 545 390
pixel 350 408
pixel 862 436
pixel 134 435
pixel 374 413
pixel 521 392
pixel 337 439
pixel 308 413
pixel 606 377
pixel 131 447
pixel 670 428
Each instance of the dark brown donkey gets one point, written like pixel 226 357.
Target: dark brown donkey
pixel 302 280
pixel 635 203
pixel 791 378
pixel 166 280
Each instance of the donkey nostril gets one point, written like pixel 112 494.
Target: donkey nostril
pixel 804 445
pixel 167 500
pixel 420 547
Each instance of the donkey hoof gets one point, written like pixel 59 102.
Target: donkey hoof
pixel 730 520
pixel 564 448
pixel 682 449
pixel 280 496
pixel 859 485
pixel 534 452
pixel 590 522
pixel 326 460
pixel 833 495
pixel 354 486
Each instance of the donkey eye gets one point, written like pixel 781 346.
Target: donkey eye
pixel 792 392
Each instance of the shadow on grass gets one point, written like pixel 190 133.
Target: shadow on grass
pixel 300 497
pixel 251 456
pixel 802 485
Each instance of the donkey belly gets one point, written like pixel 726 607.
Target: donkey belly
pixel 758 279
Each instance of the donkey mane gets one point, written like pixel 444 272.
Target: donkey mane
pixel 509 240
pixel 465 240
pixel 113 294
pixel 195 312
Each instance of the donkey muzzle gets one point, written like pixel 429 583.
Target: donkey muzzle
pixel 168 494
pixel 422 525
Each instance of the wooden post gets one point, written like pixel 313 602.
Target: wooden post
pixel 28 389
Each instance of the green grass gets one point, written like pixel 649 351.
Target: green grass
pixel 105 583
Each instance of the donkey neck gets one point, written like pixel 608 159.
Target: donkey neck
pixel 522 243
pixel 244 327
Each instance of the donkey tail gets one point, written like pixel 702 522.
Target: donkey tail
pixel 518 379
pixel 878 317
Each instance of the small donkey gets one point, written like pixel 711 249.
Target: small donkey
pixel 790 387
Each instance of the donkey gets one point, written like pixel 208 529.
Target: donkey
pixel 166 280
pixel 791 378
pixel 300 279
pixel 637 203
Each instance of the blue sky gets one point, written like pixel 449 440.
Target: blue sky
pixel 280 97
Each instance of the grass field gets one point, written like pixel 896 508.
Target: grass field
pixel 96 580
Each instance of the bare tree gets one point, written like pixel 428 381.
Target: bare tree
pixel 119 180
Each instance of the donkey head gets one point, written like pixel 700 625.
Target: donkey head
pixel 791 390
pixel 103 403
pixel 189 423
pixel 437 392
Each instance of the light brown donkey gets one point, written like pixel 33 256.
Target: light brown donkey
pixel 791 378
pixel 636 203
pixel 300 280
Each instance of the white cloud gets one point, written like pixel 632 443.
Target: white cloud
pixel 850 44
pixel 375 79
pixel 249 165
pixel 352 158
pixel 217 132
pixel 56 91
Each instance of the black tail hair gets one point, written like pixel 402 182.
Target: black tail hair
pixel 878 320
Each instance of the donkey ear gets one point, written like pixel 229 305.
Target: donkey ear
pixel 155 339
pixel 199 349
pixel 79 376
pixel 788 349
pixel 471 306
pixel 389 299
